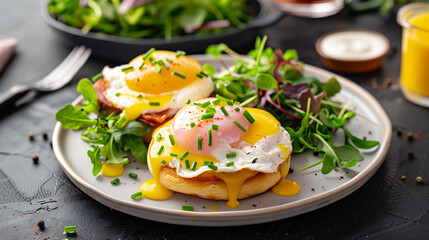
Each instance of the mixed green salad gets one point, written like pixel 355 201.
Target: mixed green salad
pixel 152 18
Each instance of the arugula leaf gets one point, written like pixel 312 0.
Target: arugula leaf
pixel 209 69
pixel 136 146
pixel 265 81
pixel 360 143
pixel 348 153
pixel 87 90
pixel 132 127
pixel 331 87
pixel 112 154
pixel 95 160
pixel 73 117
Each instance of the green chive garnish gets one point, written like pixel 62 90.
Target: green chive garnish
pixel 216 102
pixel 161 149
pixel 240 126
pixel 152 61
pixel 211 166
pixel 96 77
pixel 154 104
pixel 179 75
pixel 237 109
pixel 187 208
pixel 173 155
pixel 204 74
pixel 163 161
pixel 210 137
pixel 115 181
pixel 158 68
pixel 184 155
pixel 141 66
pixel 127 68
pixel 118 94
pixel 137 195
pixel 140 96
pixel 207 116
pixel 169 60
pixel 70 229
pixel 205 104
pixel 207 163
pixel 215 127
pixel 197 104
pixel 194 166
pixel 187 164
pixel 180 53
pixel 230 164
pixel 148 53
pixel 231 155
pixel 210 110
pixel 188 101
pixel 224 111
pixel 192 124
pixel 199 75
pixel 200 143
pixel 132 175
pixel 229 102
pixel 159 137
pixel 171 139
pixel 249 117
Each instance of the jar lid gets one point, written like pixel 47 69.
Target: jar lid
pixel 352 51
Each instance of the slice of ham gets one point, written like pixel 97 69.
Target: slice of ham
pixel 151 119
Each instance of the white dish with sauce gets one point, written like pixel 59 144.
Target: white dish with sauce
pixel 317 190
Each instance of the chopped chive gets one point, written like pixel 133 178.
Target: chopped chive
pixel 169 60
pixel 187 208
pixel 188 101
pixel 140 96
pixel 216 102
pixel 229 102
pixel 194 166
pixel 166 67
pixel 211 166
pixel 215 127
pixel 152 61
pixel 173 155
pixel 96 77
pixel 137 195
pixel 160 62
pixel 230 164
pixel 154 104
pixel 224 111
pixel 179 75
pixel 240 126
pixel 249 117
pixel 200 143
pixel 127 68
pixel 210 137
pixel 159 137
pixel 148 53
pixel 118 94
pixel 207 116
pixel 184 155
pixel 171 139
pixel 132 175
pixel 210 109
pixel 192 124
pixel 161 149
pixel 115 181
pixel 187 164
pixel 180 53
pixel 231 155
pixel 204 74
pixel 121 122
pixel 141 66
pixel 207 163
pixel 199 75
pixel 205 104
pixel 158 68
pixel 163 161
pixel 237 109
pixel 197 104
pixel 70 229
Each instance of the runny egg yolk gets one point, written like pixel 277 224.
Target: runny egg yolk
pixel 112 170
pixel 173 73
pixel 133 111
pixel 164 147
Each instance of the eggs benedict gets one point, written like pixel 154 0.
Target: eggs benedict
pixel 216 149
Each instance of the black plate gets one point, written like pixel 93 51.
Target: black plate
pixel 124 49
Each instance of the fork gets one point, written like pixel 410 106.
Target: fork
pixel 55 80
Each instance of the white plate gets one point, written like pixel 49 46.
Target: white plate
pixel 317 190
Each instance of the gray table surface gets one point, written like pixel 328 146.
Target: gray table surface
pixel 386 207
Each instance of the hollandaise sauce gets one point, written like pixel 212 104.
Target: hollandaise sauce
pixel 112 170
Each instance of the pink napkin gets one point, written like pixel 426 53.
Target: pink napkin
pixel 7 48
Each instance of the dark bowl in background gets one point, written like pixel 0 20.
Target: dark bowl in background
pixel 124 49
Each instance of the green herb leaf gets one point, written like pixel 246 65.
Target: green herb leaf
pixel 136 146
pixel 209 69
pixel 73 117
pixel 95 160
pixel 348 153
pixel 360 143
pixel 85 88
pixel 290 54
pixel 265 81
pixel 331 87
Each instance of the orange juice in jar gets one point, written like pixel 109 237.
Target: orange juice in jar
pixel 414 19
